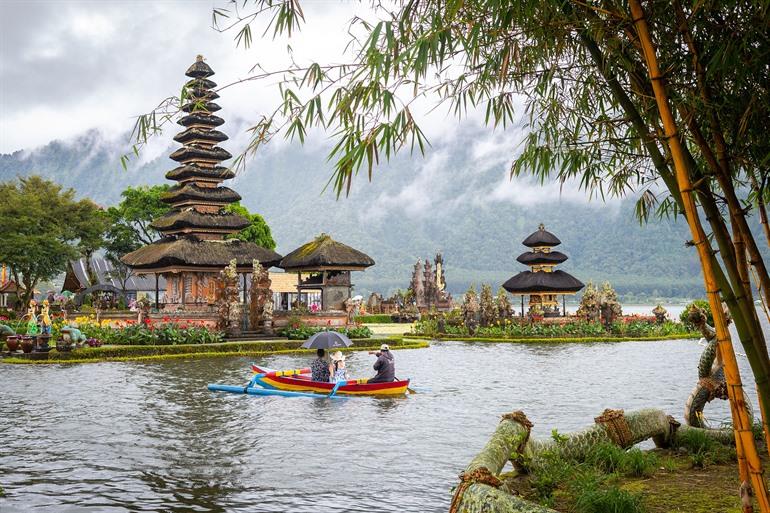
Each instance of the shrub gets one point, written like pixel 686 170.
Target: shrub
pixel 150 333
pixel 375 319
pixel 703 305
pixel 305 332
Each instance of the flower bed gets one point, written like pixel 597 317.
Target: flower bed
pixel 164 332
pixel 626 327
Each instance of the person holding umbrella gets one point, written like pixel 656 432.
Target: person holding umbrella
pixel 322 341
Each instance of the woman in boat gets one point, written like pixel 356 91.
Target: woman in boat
pixel 337 368
pixel 319 369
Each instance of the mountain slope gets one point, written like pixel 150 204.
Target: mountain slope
pixel 457 199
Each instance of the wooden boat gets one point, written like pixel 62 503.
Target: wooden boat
pixel 292 381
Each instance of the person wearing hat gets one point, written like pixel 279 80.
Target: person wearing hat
pixel 337 368
pixel 385 366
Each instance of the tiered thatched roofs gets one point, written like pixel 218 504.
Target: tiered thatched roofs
pixel 542 278
pixel 194 230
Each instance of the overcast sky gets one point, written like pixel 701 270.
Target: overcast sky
pixel 67 66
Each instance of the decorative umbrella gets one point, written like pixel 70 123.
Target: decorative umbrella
pixel 327 340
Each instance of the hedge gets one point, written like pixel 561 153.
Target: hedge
pixel 375 319
pixel 553 340
pixel 257 348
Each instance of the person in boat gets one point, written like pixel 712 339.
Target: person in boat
pixel 337 369
pixel 385 366
pixel 319 369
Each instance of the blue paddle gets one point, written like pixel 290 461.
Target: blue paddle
pixel 336 386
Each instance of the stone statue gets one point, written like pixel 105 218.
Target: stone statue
pixel 45 318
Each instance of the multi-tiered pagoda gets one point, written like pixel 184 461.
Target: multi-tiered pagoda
pixel 194 247
pixel 542 283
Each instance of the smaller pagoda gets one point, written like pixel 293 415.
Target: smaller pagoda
pixel 542 283
pixel 323 267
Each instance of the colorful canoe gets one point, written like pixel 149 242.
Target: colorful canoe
pixel 302 382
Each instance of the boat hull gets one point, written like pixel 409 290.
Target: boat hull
pixel 302 383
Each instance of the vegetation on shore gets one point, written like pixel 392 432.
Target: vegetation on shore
pixel 549 340
pixel 152 353
pixel 698 475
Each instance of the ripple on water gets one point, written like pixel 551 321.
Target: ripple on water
pixel 149 437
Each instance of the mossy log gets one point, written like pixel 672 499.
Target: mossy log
pixel 480 489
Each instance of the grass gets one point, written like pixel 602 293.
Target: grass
pixel 609 479
pixel 225 349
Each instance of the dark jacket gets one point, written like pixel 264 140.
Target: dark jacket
pixel 385 367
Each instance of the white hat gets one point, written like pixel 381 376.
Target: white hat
pixel 384 347
pixel 337 356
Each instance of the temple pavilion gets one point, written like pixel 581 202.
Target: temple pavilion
pixel 194 247
pixel 323 269
pixel 542 283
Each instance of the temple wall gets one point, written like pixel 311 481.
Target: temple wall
pixel 334 297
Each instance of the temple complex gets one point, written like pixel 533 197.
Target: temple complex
pixel 323 269
pixel 428 285
pixel 194 247
pixel 542 283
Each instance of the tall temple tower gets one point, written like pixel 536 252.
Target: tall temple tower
pixel 542 283
pixel 193 248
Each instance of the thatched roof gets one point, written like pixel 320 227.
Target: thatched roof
pixel 528 282
pixel 192 192
pixel 195 106
pixel 199 69
pixel 538 257
pixel 191 251
pixel 193 171
pixel 325 252
pixel 541 238
pixel 200 83
pixel 186 153
pixel 198 118
pixel 215 136
pixel 180 219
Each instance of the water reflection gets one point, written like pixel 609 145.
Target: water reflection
pixel 150 437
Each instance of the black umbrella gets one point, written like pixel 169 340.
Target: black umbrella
pixel 327 340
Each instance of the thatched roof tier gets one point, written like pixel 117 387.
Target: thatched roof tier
pixel 199 69
pixel 199 93
pixel 325 253
pixel 185 219
pixel 541 238
pixel 192 193
pixel 192 153
pixel 556 282
pixel 191 171
pixel 201 119
pixel 192 252
pixel 200 106
pixel 538 257
pixel 195 133
pixel 200 83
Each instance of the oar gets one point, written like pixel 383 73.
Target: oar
pixel 336 386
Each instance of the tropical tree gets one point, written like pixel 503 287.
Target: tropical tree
pixel 43 227
pixel 257 232
pixel 503 304
pixel 600 112
pixel 131 218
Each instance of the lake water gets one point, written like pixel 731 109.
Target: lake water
pixel 120 437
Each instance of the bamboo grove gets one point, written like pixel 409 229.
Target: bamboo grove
pixel 665 100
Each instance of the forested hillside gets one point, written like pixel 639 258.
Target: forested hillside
pixel 457 200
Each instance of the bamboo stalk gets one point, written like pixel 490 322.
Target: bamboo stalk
pixel 761 205
pixel 741 422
